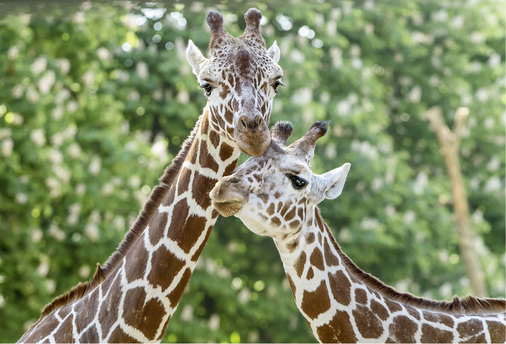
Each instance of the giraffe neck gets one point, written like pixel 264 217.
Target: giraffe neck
pixel 134 296
pixel 342 303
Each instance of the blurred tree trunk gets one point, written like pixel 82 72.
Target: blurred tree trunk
pixel 450 142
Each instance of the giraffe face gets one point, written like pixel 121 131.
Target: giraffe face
pixel 240 80
pixel 272 193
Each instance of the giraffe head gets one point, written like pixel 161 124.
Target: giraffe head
pixel 240 78
pixel 272 193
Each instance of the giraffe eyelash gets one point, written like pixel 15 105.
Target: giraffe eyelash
pixel 207 88
pixel 297 182
pixel 276 84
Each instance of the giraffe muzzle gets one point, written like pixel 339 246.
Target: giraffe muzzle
pixel 226 199
pixel 252 135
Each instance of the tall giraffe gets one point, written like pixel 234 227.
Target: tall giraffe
pixel 277 194
pixel 133 296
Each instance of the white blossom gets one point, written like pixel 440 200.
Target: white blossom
pixel 56 232
pixel 390 210
pixel 302 96
pixel 74 150
pixel 13 53
pixel 214 322
pixel 356 63
pixel 61 96
pixel 80 189
pixel 91 230
pixel 440 16
pixel 369 223
pixel 43 268
pixel 494 164
pixel 187 313
pixel 446 290
pixel 57 113
pixel 103 53
pixel 50 286
pixel 297 56
pixel 7 146
pixel 142 70
pixel 46 82
pixel 337 57
pixel 482 95
pixel 36 235
pixel 88 78
pixel 159 150
pixel 64 65
pixel 493 184
pixel 38 137
pixel 415 95
pixel 95 165
pixel 477 37
pixel 244 295
pixel 18 91
pixel 494 60
pixel 458 21
pixel 183 97
pixel 32 95
pixel 39 65
pixel 21 198
pixel 409 217
pixel 72 106
pixel 107 189
pixel 421 183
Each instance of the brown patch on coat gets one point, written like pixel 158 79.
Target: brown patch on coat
pixel 402 330
pixel 338 330
pixel 177 293
pixel 497 331
pixel 317 301
pixel 341 288
pixel 300 263
pixel 206 160
pixel 226 151
pixel 145 316
pixel 316 259
pixel 379 310
pixel 201 188
pixel 434 335
pixel 361 296
pixel 368 324
pixel 168 265
pixel 470 328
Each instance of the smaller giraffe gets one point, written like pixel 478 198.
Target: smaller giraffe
pixel 276 194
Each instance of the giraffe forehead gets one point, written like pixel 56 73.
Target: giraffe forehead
pixel 242 60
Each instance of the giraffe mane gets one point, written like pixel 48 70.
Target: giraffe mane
pixel 82 289
pixel 468 305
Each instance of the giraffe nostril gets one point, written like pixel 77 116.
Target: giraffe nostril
pixel 234 180
pixel 244 124
pixel 259 122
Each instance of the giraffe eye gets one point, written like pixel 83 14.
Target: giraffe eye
pixel 297 182
pixel 207 88
pixel 276 84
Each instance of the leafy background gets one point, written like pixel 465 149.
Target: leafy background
pixel 96 99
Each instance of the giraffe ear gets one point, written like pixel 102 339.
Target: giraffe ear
pixel 194 57
pixel 274 52
pixel 334 181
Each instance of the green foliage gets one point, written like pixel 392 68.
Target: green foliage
pixel 96 100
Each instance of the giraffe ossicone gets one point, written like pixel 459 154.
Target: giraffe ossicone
pixel 276 194
pixel 132 297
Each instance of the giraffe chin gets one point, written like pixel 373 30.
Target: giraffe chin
pixel 255 147
pixel 228 208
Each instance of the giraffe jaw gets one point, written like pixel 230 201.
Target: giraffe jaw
pixel 228 207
